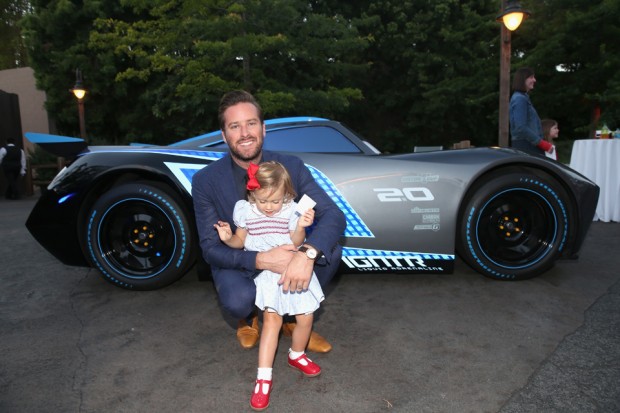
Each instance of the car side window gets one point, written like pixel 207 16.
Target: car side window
pixel 309 139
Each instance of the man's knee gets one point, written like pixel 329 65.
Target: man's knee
pixel 236 293
pixel 240 304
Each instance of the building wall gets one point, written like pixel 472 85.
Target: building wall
pixel 21 82
pixel 34 118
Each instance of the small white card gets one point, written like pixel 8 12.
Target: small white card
pixel 304 204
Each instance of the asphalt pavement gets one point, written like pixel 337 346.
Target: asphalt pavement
pixel 71 342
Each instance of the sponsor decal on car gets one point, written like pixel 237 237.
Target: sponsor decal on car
pixel 379 260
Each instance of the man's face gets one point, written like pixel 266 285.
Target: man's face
pixel 243 133
pixel 530 82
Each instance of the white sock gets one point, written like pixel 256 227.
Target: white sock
pixel 264 373
pixel 294 354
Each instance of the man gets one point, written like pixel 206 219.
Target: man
pixel 13 162
pixel 216 189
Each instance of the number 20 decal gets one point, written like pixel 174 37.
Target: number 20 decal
pixel 405 194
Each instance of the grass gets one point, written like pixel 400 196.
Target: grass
pixel 564 147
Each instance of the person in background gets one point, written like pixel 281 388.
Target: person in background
pixel 13 161
pixel 215 191
pixel 525 127
pixel 551 131
pixel 269 218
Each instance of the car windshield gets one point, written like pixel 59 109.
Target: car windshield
pixel 304 139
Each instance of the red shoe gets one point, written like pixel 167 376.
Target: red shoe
pixel 260 400
pixel 305 365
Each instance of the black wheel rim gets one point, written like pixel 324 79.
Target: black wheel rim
pixel 516 228
pixel 137 238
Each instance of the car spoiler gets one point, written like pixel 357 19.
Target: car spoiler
pixel 62 146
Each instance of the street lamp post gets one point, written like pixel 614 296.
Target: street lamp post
pixel 511 17
pixel 79 92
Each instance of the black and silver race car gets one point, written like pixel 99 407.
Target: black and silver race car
pixel 128 212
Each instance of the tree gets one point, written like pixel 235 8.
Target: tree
pixel 434 73
pixel 403 73
pixel 435 66
pixel 56 34
pixel 12 49
pixel 573 47
pixel 157 68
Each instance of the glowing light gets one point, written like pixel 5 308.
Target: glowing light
pixel 65 198
pixel 512 20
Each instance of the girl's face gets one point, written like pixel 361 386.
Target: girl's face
pixel 554 132
pixel 268 201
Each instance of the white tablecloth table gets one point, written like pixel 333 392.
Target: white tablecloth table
pixel 599 160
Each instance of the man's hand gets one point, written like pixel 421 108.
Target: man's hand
pixel 297 275
pixel 276 259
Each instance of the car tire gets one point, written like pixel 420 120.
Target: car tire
pixel 139 236
pixel 514 224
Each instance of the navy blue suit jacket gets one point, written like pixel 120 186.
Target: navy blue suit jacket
pixel 215 194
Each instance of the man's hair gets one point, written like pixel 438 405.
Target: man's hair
pixel 10 140
pixel 273 175
pixel 233 98
pixel 518 81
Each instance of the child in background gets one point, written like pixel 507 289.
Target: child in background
pixel 550 132
pixel 268 219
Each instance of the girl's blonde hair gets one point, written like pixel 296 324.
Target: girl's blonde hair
pixel 273 175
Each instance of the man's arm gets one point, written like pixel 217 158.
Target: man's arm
pixel 23 162
pixel 330 225
pixel 329 219
pixel 208 212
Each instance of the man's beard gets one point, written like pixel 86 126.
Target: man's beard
pixel 247 158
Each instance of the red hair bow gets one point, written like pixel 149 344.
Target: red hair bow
pixel 252 181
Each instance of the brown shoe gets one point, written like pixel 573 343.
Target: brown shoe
pixel 317 343
pixel 248 335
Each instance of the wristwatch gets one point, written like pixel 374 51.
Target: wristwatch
pixel 311 252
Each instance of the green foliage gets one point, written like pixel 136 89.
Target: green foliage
pixel 12 49
pixel 43 164
pixel 400 72
pixel 156 69
pixel 434 72
pixel 581 36
pixel 564 148
pixel 39 156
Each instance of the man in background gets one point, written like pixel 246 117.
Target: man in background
pixel 13 162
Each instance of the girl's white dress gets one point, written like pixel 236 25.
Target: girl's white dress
pixel 265 233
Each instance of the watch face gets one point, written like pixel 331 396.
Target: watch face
pixel 311 253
